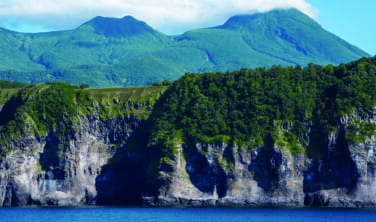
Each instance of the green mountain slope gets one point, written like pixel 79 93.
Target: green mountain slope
pixel 292 36
pixel 126 52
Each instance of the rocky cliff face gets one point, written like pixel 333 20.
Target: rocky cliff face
pixel 62 170
pixel 271 178
pixel 96 163
pixel 234 176
pixel 339 175
pixel 345 175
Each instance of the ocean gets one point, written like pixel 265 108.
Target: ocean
pixel 115 214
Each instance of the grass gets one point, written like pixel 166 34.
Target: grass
pixel 139 94
pixel 137 101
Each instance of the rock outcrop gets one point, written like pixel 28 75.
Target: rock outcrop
pixel 56 169
pixel 234 176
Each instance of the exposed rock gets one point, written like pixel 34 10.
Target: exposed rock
pixel 94 164
pixel 341 175
pixel 54 170
pixel 246 178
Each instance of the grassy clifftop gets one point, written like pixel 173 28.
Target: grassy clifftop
pixel 36 109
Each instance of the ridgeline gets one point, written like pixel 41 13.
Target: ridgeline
pixel 108 52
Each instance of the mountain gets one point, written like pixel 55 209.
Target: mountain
pixel 292 37
pixel 125 27
pixel 263 137
pixel 107 52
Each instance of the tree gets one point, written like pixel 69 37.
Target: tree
pixel 84 86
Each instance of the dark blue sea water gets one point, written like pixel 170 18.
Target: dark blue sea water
pixel 93 214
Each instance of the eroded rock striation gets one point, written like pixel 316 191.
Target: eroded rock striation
pixel 96 165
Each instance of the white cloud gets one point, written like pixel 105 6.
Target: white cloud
pixel 171 16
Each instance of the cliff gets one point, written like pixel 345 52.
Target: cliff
pixel 98 164
pixel 341 175
pixel 63 164
pixel 207 140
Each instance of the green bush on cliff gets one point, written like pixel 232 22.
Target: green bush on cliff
pixel 53 106
pixel 39 106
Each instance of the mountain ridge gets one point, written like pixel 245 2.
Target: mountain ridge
pixel 278 37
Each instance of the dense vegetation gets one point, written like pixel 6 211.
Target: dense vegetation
pixel 251 106
pixel 107 52
pixel 10 85
pixel 36 109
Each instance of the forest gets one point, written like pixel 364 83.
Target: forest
pixel 249 106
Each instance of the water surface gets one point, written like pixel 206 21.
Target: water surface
pixel 91 214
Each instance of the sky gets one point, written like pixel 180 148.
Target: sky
pixel 351 20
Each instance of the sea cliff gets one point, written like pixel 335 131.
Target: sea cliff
pixel 277 137
pixel 89 168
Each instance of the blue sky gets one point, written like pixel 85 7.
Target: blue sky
pixel 350 20
pixel 353 21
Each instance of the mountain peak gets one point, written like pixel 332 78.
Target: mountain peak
pixel 293 33
pixel 276 16
pixel 119 27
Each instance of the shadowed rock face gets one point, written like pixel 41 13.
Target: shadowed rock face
pixel 336 168
pixel 8 109
pixel 205 173
pixel 122 183
pixel 265 169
